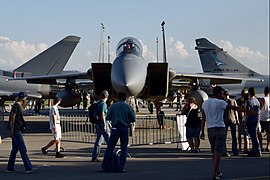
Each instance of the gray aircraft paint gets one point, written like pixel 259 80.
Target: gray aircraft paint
pixel 129 69
pixel 50 61
pixel 215 61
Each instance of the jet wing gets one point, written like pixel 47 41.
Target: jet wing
pixel 214 79
pixel 53 79
pixel 14 94
pixel 34 95
pixel 5 93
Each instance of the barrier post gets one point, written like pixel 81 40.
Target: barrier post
pixel 181 120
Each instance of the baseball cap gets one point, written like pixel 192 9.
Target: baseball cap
pixel 104 93
pixel 22 95
pixel 57 99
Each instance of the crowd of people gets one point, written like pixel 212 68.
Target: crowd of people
pixel 113 125
pixel 246 117
pixel 249 116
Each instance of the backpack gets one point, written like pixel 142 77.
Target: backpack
pixel 113 164
pixel 115 161
pixel 92 113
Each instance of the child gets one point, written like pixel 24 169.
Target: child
pixel 55 128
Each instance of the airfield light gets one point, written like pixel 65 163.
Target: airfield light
pixel 164 44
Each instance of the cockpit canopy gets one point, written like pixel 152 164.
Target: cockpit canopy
pixel 129 45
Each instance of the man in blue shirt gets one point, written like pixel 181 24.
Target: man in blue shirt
pixel 102 127
pixel 121 115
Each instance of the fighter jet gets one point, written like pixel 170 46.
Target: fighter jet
pixel 128 73
pixel 51 61
pixel 215 61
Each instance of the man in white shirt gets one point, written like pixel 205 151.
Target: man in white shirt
pixel 212 114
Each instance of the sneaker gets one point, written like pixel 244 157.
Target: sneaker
pixel 44 150
pixel 59 155
pixel 12 171
pixel 31 171
pixel 218 176
pixel 195 151
pixel 95 160
pixel 226 155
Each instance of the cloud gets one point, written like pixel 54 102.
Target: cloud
pixel 242 51
pixel 15 53
pixel 178 56
pixel 176 48
pixel 253 59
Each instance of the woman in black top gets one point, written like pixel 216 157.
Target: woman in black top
pixel 193 124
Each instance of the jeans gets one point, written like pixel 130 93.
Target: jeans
pixel 118 131
pixel 101 136
pixel 252 130
pixel 232 126
pixel 18 145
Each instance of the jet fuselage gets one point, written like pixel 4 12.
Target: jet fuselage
pixel 129 69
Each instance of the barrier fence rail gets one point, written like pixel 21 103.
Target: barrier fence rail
pixel 146 130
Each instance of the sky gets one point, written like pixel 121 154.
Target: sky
pixel 241 27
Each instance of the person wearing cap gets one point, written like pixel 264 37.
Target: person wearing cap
pixel 102 127
pixel 15 127
pixel 55 128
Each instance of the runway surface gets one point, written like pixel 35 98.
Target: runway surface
pixel 162 161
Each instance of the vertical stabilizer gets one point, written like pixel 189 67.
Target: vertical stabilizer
pixel 52 60
pixel 216 61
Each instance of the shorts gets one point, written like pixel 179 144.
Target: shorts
pixel 193 132
pixel 265 126
pixel 58 135
pixel 217 139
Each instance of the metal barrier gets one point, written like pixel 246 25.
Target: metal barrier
pixel 146 131
pixel 2 117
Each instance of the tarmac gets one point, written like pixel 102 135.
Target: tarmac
pixel 158 161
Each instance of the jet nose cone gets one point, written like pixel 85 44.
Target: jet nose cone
pixel 128 74
pixel 128 84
